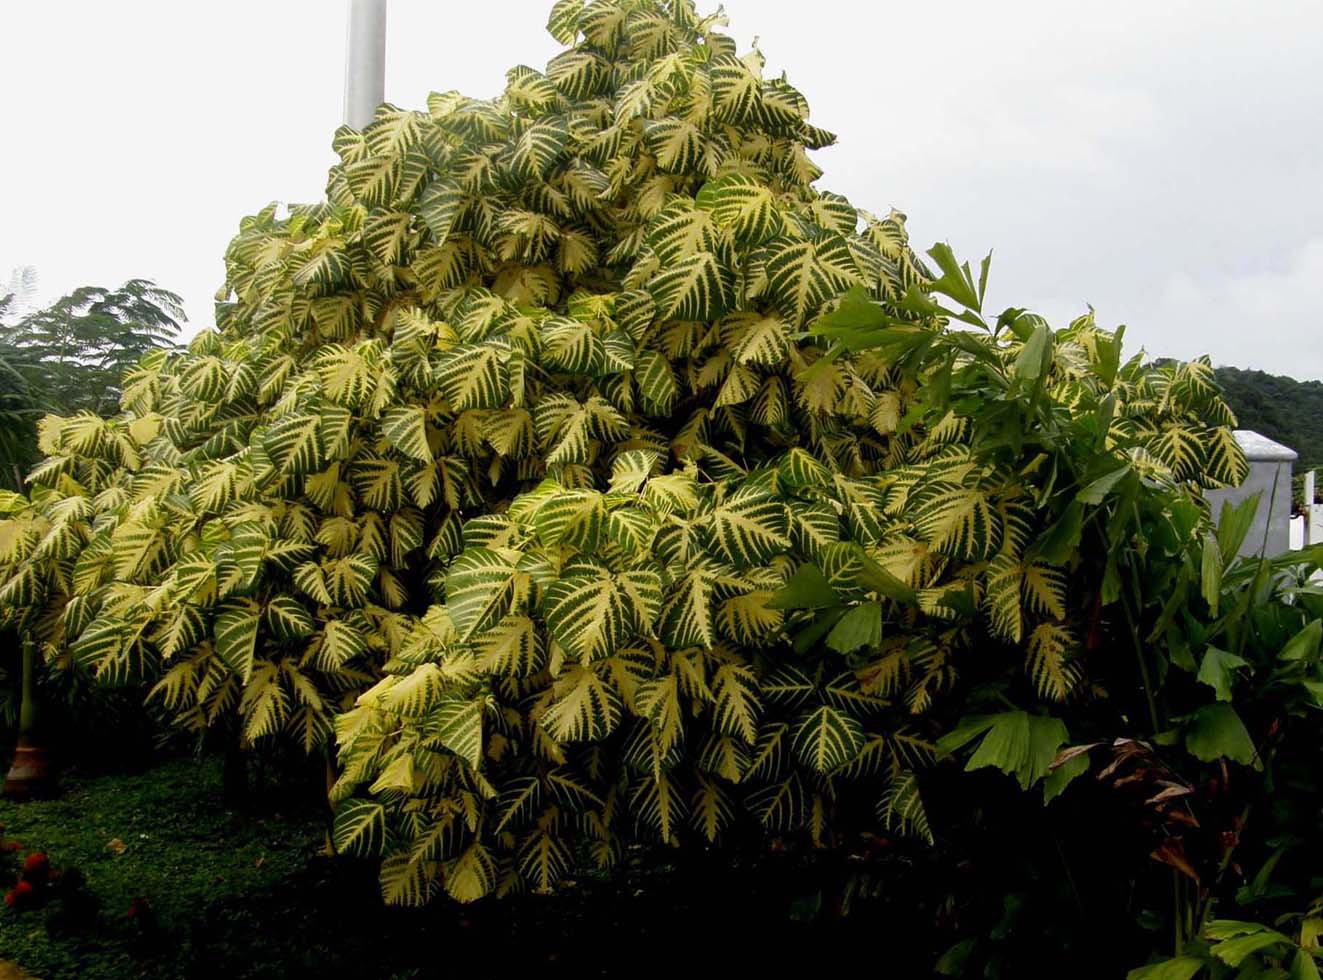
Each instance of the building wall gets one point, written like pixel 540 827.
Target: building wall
pixel 1274 513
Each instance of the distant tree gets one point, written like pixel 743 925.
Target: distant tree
pixel 85 341
pixel 69 356
pixel 19 291
pixel 20 405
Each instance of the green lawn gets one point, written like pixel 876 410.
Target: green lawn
pixel 248 893
pixel 162 836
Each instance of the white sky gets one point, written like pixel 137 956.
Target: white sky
pixel 1159 159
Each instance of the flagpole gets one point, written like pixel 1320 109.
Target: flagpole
pixel 365 61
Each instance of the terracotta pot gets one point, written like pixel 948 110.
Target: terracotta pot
pixel 31 775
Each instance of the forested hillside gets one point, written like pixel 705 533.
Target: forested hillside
pixel 1281 408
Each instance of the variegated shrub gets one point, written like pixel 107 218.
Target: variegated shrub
pixel 651 481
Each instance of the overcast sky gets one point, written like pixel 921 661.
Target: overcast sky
pixel 1161 160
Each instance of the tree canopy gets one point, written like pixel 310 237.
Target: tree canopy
pixel 71 356
pixel 584 475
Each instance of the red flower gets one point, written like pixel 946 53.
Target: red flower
pixel 37 867
pixel 19 895
pixel 11 845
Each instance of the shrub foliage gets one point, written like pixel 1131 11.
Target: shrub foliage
pixel 596 478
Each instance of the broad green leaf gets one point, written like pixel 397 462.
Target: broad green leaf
pixel 236 636
pixel 860 627
pixel 593 616
pixel 1180 968
pixel 1304 645
pixel 1216 732
pixel 808 588
pixel 1097 490
pixel 1017 743
pixel 1216 671
pixel 585 708
pixel 697 288
pixel 826 738
pixel 288 619
pixel 480 587
pixel 901 808
pixel 473 376
pixel 360 828
pixel 749 528
pixel 1032 361
pixel 406 430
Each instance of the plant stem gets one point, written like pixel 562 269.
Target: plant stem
pixel 27 712
pixel 1177 906
pixel 1143 664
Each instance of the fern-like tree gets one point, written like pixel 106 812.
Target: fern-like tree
pixel 595 477
pixel 71 356
pixel 67 357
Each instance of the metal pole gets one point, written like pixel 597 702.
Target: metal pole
pixel 1309 509
pixel 365 61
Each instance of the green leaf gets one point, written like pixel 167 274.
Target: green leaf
pixel 860 627
pixel 808 588
pixel 1232 952
pixel 360 828
pixel 1097 490
pixel 236 636
pixel 873 576
pixel 1215 671
pixel 592 616
pixel 406 430
pixel 1061 539
pixel 1031 363
pixel 956 281
pixel 825 738
pixel 1210 574
pixel 697 288
pixel 288 619
pixel 749 528
pixel 1216 732
pixel 1017 743
pixel 854 321
pixel 1305 644
pixel 1303 966
pixel 1180 968
pixel 480 586
pixel 1059 778
pixel 1233 525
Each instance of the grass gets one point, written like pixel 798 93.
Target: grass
pixel 249 894
pixel 162 836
